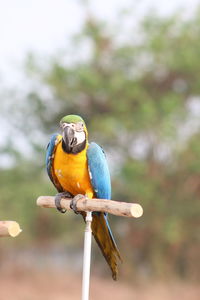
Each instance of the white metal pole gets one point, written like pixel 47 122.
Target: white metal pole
pixel 87 257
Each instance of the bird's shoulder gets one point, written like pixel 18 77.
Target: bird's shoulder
pixel 95 151
pixel 52 145
pixel 51 148
pixel 98 170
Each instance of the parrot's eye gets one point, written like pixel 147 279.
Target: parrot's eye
pixel 63 125
pixel 79 126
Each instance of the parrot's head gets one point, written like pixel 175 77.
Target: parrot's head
pixel 74 133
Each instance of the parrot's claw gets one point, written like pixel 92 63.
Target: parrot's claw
pixel 58 198
pixel 73 204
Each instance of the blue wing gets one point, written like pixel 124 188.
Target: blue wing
pixel 99 172
pixel 100 179
pixel 49 161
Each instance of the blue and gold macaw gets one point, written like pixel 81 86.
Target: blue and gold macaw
pixel 78 168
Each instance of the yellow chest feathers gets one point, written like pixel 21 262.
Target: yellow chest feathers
pixel 72 172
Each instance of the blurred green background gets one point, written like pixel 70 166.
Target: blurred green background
pixel 138 89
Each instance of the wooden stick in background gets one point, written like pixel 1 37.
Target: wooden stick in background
pixel 9 228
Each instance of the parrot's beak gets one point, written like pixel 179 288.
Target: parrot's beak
pixel 69 138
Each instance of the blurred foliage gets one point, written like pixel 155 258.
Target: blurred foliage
pixel 135 95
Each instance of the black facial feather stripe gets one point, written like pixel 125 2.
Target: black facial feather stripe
pixel 75 149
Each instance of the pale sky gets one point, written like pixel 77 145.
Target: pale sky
pixel 43 26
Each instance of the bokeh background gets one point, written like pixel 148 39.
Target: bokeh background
pixel 132 71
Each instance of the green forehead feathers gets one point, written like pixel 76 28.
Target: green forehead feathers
pixel 71 119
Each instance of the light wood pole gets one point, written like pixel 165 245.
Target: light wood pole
pixel 9 228
pixel 89 205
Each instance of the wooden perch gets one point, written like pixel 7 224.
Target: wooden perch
pixel 113 207
pixel 9 228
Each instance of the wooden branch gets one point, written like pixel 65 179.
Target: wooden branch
pixel 103 205
pixel 9 228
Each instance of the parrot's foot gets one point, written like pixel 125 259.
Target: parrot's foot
pixel 58 198
pixel 74 201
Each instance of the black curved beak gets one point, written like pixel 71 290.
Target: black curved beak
pixel 69 139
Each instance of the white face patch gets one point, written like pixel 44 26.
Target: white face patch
pixel 76 126
pixel 80 136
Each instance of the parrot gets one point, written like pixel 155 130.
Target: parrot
pixel 77 169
